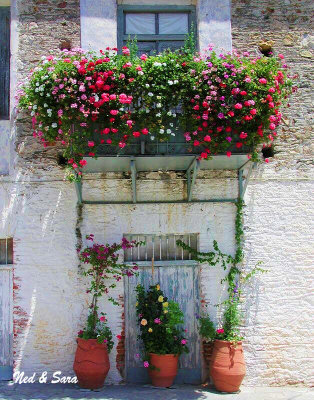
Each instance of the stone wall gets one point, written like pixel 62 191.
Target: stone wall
pixel 39 210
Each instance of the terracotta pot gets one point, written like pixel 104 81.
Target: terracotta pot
pixel 165 369
pixel 227 367
pixel 208 351
pixel 91 364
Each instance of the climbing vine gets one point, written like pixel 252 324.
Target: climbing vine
pixel 229 328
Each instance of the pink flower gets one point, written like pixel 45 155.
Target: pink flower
pixel 119 337
pixel 144 131
pixel 253 111
pixel 263 81
pixel 90 143
pixel 103 318
pixel 183 341
pixel 80 332
pixel 125 51
pixel 207 138
pixel 266 160
pixel 229 139
pixel 281 56
pixel 272 126
pixel 143 57
pixel 243 135
pixel 114 112
pixel 219 331
pixel 105 341
pixel 74 165
pixel 60 112
pixel 146 364
pixel 157 321
pixel 136 134
pixel 83 162
pixel 228 154
pixel 238 106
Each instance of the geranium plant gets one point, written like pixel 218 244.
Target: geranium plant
pixel 217 102
pixel 161 323
pixel 104 271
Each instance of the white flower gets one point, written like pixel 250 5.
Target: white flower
pixel 169 113
pixel 150 94
pixel 96 97
pixel 171 124
pixel 32 113
pixel 49 110
pixel 158 97
pixel 34 106
pixel 158 115
pixel 147 110
pixel 174 114
pixel 152 137
pixel 158 105
pixel 176 81
pixel 36 90
pixel 45 105
pixel 157 64
pixel 147 85
pixel 54 124
pixel 173 134
pixel 37 83
pixel 170 83
pixel 168 130
pixel 161 131
pixel 164 64
pixel 48 95
pixel 140 72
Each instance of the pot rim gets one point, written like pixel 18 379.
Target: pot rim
pixel 164 355
pixel 227 341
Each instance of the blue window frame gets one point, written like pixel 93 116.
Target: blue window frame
pixel 156 28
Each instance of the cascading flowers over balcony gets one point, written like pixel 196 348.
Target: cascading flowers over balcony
pixel 218 102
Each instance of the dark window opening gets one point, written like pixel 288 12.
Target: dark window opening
pixel 6 251
pixel 4 62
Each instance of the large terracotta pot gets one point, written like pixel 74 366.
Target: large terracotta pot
pixel 91 364
pixel 227 367
pixel 165 369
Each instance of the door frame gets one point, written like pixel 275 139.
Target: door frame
pixel 6 370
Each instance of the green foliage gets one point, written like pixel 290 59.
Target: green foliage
pixel 160 322
pixel 97 329
pixel 231 320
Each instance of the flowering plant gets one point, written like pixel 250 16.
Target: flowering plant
pixel 103 267
pixel 96 328
pixel 217 102
pixel 160 322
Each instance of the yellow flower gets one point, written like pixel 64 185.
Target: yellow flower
pixel 136 304
pixel 160 299
pixel 150 330
pixel 144 322
pixel 165 311
pixel 158 287
pixel 165 304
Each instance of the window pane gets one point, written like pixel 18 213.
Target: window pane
pixel 140 23
pixel 173 23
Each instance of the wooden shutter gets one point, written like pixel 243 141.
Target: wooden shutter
pixel 4 61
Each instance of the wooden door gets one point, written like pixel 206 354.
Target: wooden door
pixel 181 284
pixel 6 324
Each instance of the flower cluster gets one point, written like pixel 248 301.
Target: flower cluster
pixel 96 328
pixel 160 323
pixel 217 103
pixel 104 266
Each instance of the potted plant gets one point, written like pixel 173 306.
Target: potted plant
pixel 160 321
pixel 223 347
pixel 94 342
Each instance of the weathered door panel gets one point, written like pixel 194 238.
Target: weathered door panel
pixel 180 283
pixel 6 325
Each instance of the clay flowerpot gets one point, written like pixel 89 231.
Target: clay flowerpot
pixel 91 364
pixel 164 368
pixel 227 367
